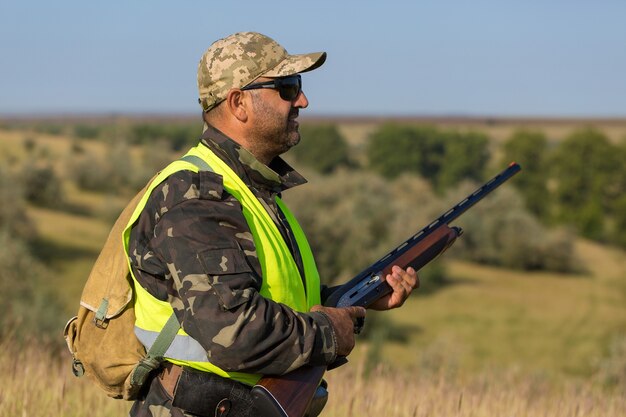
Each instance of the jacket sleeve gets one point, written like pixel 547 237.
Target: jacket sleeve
pixel 200 256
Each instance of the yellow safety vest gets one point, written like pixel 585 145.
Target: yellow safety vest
pixel 282 282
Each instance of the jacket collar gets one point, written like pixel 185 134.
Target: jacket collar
pixel 275 177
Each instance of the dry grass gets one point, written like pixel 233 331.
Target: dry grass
pixel 487 394
pixel 13 145
pixel 37 382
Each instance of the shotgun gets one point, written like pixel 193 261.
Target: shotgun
pixel 291 395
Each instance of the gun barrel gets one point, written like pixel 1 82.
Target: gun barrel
pixel 477 195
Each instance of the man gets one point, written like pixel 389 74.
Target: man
pixel 215 244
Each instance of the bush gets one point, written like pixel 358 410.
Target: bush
pixel 154 158
pixel 114 172
pixel 15 261
pixel 322 148
pixel 87 131
pixel 42 186
pixel 91 173
pixel 27 307
pixel 178 136
pixel 13 219
pixel 500 231
pixel 32 309
pixel 50 128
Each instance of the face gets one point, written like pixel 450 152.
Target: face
pixel 274 125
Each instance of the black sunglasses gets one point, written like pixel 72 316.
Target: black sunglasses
pixel 288 87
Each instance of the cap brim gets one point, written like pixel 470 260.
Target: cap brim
pixel 294 64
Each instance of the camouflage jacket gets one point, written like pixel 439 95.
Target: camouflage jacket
pixel 240 329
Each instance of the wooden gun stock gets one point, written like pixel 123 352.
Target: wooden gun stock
pixel 290 395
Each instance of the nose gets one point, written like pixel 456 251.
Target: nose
pixel 301 101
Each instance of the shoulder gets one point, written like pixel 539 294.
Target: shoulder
pixel 186 185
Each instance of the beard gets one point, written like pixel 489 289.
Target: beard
pixel 275 132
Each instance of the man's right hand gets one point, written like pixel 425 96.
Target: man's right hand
pixel 343 321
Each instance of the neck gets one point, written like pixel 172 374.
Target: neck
pixel 259 152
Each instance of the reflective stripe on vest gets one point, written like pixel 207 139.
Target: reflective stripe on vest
pixel 281 279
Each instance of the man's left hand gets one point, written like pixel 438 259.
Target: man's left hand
pixel 402 282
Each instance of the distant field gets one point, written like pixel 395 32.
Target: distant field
pixel 357 128
pixel 499 129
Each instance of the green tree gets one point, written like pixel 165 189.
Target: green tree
pixel 465 157
pixel 530 150
pixel 395 149
pixel 322 148
pixel 585 165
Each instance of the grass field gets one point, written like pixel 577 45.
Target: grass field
pixel 42 384
pixel 493 343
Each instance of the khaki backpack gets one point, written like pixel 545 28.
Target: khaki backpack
pixel 101 337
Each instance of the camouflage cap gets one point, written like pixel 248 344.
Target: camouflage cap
pixel 241 58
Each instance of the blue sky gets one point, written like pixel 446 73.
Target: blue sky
pixel 500 58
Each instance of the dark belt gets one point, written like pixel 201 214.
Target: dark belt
pixel 204 393
pixel 207 394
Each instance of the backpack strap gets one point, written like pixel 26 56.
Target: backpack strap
pixel 154 357
pixel 155 354
pixel 197 161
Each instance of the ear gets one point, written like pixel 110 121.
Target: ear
pixel 237 105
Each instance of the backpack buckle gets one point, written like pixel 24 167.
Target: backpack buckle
pixel 77 368
pixel 99 317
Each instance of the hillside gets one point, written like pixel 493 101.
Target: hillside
pixel 487 317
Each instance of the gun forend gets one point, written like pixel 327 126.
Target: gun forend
pixel 370 286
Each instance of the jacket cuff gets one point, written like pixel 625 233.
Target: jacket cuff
pixel 325 347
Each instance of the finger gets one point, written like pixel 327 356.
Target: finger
pixel 395 277
pixel 408 283
pixel 413 278
pixel 407 279
pixel 399 294
pixel 402 283
pixel 396 298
